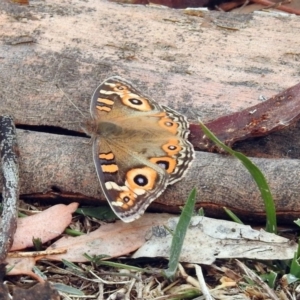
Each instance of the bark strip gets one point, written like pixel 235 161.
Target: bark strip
pixel 10 193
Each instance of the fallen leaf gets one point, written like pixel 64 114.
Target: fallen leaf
pixel 113 239
pixel 38 291
pixel 46 225
pixel 208 239
pixel 22 266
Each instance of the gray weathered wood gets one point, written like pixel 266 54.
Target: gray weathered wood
pixel 56 169
pixel 202 66
pixel 10 192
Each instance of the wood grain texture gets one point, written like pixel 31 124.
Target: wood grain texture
pixel 220 180
pixel 201 66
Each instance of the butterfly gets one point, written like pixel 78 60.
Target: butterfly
pixel 139 146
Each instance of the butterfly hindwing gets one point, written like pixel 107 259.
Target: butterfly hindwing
pixel 139 146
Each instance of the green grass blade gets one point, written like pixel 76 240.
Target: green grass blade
pixel 67 289
pixel 295 266
pixel 259 178
pixel 232 215
pixel 179 234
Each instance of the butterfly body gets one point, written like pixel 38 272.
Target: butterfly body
pixel 139 146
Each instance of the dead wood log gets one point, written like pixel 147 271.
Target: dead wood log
pixel 204 66
pixel 60 167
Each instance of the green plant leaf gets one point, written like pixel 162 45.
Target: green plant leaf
pixel 179 234
pixel 297 222
pixel 101 213
pixel 67 289
pixel 201 212
pixel 270 278
pixel 37 244
pixel 232 215
pixel 290 278
pixel 259 178
pixel 295 266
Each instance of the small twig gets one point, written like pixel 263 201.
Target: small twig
pixel 189 279
pixel 10 194
pixel 254 277
pixel 36 253
pixel 204 288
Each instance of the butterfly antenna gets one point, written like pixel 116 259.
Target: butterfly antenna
pixel 69 99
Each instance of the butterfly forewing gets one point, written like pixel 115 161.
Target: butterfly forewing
pixel 139 147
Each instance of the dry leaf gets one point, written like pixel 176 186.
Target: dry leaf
pixel 46 225
pixel 39 291
pixel 22 266
pixel 208 239
pixel 112 239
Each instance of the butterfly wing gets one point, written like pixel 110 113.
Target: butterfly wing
pixel 129 182
pixel 140 147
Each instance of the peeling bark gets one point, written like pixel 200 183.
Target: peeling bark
pixel 10 193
